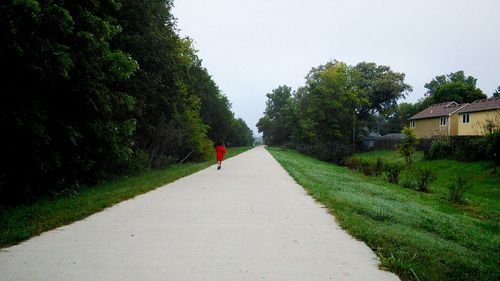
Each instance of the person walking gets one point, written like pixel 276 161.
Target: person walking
pixel 220 150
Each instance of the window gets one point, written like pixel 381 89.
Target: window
pixel 412 124
pixel 465 118
pixel 442 121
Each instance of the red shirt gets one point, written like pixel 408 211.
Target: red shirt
pixel 220 150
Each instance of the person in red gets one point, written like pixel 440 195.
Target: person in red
pixel 220 150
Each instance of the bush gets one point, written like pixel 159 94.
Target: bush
pixel 352 163
pixel 378 168
pixel 407 146
pixel 392 171
pixel 470 149
pixel 367 168
pixel 440 149
pixel 424 178
pixel 457 189
pixel 334 151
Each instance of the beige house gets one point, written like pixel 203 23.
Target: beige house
pixel 474 117
pixel 437 120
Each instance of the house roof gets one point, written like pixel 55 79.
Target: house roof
pixel 438 110
pixel 394 136
pixel 372 136
pixel 480 105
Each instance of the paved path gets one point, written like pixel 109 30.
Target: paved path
pixel 248 221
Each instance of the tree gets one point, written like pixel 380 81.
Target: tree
pixel 379 85
pixel 240 134
pixel 408 144
pixel 324 117
pixel 453 87
pixel 66 120
pixel 496 94
pixel 276 126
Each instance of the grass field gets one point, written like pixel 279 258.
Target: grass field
pixel 22 222
pixel 417 235
pixel 483 193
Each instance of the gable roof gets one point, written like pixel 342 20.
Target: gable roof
pixel 438 110
pixel 480 105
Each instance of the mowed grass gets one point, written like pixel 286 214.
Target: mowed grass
pixel 22 222
pixel 416 235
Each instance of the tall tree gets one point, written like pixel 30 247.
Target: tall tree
pixel 276 125
pixel 453 87
pixel 324 117
pixel 379 85
pixel 65 119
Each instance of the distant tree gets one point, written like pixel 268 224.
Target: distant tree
pixel 408 145
pixel 400 114
pixel 496 94
pixel 241 134
pixel 276 126
pixel 453 87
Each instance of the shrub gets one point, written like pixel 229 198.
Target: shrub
pixel 392 171
pixel 367 168
pixel 470 149
pixel 408 144
pixel 378 168
pixel 424 178
pixel 457 189
pixel 333 151
pixel 439 149
pixel 352 163
pixel 492 147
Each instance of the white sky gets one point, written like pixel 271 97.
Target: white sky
pixel 251 47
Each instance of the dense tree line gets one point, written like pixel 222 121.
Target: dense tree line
pixel 339 103
pixel 95 89
pixel 324 117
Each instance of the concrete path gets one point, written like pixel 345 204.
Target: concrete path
pixel 248 221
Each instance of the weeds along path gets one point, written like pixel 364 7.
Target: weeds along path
pixel 247 221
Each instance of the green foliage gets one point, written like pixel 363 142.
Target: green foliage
pixel 67 121
pixel 492 143
pixel 470 149
pixel 407 146
pixel 453 87
pixel 324 117
pixel 240 134
pixel 409 179
pixel 457 189
pixel 276 124
pixel 95 89
pixel 378 168
pixel 439 149
pixel 424 177
pixel 392 171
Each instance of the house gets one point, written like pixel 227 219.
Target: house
pixel 473 117
pixel 437 120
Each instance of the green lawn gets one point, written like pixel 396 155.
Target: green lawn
pixel 419 236
pixel 22 222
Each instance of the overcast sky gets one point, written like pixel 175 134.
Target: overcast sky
pixel 251 47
